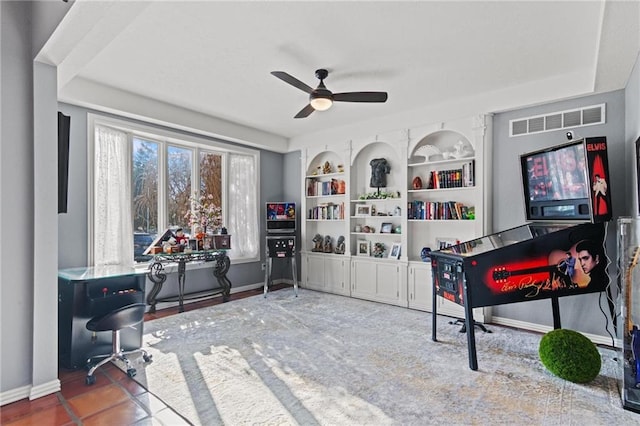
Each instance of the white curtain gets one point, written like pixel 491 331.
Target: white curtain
pixel 113 227
pixel 242 212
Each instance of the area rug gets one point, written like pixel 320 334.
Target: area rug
pixel 323 359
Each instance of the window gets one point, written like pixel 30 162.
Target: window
pixel 166 172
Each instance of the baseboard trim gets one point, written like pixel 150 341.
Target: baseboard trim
pixel 595 338
pixel 13 395
pixel 28 391
pixel 44 389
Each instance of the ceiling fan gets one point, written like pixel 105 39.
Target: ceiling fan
pixel 321 98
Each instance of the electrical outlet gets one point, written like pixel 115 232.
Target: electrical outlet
pixel 264 266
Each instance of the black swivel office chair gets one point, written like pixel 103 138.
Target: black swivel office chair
pixel 115 321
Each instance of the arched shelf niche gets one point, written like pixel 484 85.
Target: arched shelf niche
pixel 442 145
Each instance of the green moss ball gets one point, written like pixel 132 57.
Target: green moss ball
pixel 570 355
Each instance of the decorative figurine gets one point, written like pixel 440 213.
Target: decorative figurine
pixel 425 254
pixel 326 168
pixel 181 239
pixel 328 246
pixel 340 168
pixel 317 240
pixel 340 245
pixel 379 170
pixel 416 183
pixel 378 250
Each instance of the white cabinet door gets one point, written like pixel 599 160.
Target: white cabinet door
pixel 388 282
pixel 363 279
pixel 336 275
pixel 326 272
pixel 420 286
pixel 380 281
pixel 314 276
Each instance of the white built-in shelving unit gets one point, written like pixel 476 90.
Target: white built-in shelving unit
pixel 383 229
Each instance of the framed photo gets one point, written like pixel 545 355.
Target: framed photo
pixel 386 228
pixel 363 248
pixel 394 253
pixel 363 210
pixel 443 243
pixel 208 242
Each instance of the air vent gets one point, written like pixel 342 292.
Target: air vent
pixel 586 116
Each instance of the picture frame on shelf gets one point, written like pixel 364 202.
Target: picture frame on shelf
pixel 386 228
pixel 445 242
pixel 394 253
pixel 363 248
pixel 363 210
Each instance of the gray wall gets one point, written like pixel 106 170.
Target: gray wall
pixel 16 186
pixel 632 132
pixel 577 312
pixel 28 212
pixel 73 226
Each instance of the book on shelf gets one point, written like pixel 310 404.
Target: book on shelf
pixel 453 178
pixel 437 210
pixel 328 211
pixel 317 187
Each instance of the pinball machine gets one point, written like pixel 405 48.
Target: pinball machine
pixel 559 252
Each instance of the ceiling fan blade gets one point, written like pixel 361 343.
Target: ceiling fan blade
pixel 292 81
pixel 360 97
pixel 305 112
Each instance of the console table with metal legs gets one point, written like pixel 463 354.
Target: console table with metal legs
pixel 219 261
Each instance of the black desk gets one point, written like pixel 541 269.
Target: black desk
pixel 86 292
pixel 218 260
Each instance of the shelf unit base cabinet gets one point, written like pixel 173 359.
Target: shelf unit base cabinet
pixel 379 281
pixel 326 272
pixel 420 286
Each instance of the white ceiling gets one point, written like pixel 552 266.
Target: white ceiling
pixel 215 58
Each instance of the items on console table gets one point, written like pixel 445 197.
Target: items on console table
pixel 156 273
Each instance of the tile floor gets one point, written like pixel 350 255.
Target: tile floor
pixel 114 399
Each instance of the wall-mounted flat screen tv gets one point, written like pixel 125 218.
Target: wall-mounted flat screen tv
pixel 281 216
pixel 568 182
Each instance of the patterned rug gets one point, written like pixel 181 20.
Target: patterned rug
pixel 322 359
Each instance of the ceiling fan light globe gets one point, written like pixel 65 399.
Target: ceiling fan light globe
pixel 321 104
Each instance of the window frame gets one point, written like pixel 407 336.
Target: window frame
pixel 167 137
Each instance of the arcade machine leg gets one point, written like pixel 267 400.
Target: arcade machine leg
pixel 555 307
pixel 294 275
pixel 267 275
pixel 471 336
pixel 434 312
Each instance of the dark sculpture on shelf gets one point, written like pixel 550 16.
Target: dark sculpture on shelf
pixel 317 243
pixel 380 168
pixel 340 245
pixel 328 246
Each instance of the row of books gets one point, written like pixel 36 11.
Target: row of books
pixel 328 211
pixel 317 188
pixel 439 210
pixel 453 178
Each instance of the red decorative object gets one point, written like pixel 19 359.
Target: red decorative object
pixel 417 183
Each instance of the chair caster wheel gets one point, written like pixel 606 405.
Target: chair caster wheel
pixel 147 358
pixel 89 380
pixel 131 372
